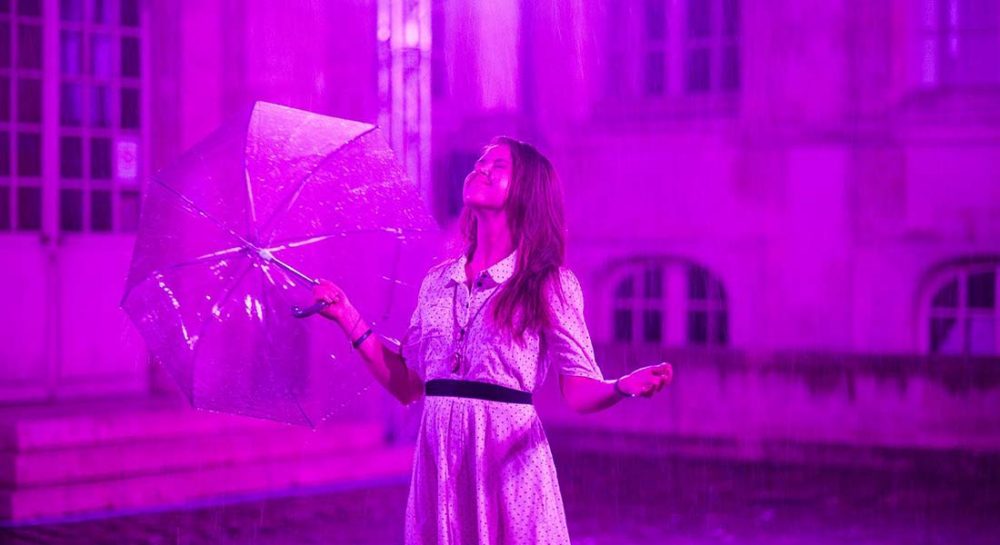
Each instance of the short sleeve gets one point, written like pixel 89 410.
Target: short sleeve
pixel 568 342
pixel 409 345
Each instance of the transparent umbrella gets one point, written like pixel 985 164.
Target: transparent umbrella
pixel 226 235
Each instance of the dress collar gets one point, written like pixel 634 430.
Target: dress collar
pixel 500 272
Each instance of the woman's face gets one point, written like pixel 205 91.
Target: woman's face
pixel 488 183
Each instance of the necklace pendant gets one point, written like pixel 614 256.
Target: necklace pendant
pixel 457 363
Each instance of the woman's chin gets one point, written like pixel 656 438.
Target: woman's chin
pixel 481 206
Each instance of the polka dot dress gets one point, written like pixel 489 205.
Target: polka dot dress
pixel 483 472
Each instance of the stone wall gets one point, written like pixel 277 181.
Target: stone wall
pixel 790 405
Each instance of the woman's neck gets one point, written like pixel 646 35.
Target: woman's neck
pixel 493 241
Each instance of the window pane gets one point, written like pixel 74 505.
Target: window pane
pixel 4 153
pixel 101 64
pixel 720 332
pixel 4 99
pixel 946 297
pixel 656 20
pixel 730 17
pixel 654 74
pixel 71 210
pixel 71 10
pixel 982 290
pixel 945 337
pixel 29 46
pixel 71 157
pixel 697 278
pixel 715 290
pixel 71 52
pixel 130 12
pixel 102 11
pixel 730 68
pixel 982 335
pixel 100 210
pixel 652 285
pixel 699 18
pixel 29 154
pixel 625 288
pixel 130 57
pixel 29 101
pixel 129 211
pixel 623 325
pixel 697 327
pixel 4 207
pixel 29 208
pixel 70 104
pixel 698 70
pixel 974 59
pixel 652 326
pixel 30 8
pixel 100 106
pixel 100 158
pixel 131 110
pixel 5 48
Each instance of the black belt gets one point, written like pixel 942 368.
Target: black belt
pixel 476 390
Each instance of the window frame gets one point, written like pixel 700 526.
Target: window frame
pixel 674 303
pixel 934 31
pixel 961 312
pixel 629 47
pixel 106 189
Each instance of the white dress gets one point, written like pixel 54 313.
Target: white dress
pixel 483 472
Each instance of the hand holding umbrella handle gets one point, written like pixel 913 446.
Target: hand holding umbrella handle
pixel 305 312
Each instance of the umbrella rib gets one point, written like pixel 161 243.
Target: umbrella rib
pixel 252 227
pixel 250 199
pixel 222 302
pixel 305 179
pixel 201 212
pixel 298 242
pixel 196 261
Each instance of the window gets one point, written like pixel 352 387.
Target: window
pixel 21 69
pixel 100 114
pixel 661 49
pixel 707 321
pixel 95 118
pixel 958 42
pixel 961 315
pixel 668 302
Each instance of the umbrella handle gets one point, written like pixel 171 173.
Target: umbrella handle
pixel 305 312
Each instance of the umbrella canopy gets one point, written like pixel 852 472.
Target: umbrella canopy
pixel 226 236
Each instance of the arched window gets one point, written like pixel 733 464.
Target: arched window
pixel 669 302
pixel 960 311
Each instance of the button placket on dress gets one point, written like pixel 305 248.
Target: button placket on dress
pixel 463 326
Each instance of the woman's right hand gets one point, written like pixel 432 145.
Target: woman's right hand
pixel 339 308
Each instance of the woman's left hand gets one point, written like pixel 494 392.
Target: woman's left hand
pixel 647 381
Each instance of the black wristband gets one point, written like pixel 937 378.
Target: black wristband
pixel 357 342
pixel 619 391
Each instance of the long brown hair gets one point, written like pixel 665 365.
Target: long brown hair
pixel 536 222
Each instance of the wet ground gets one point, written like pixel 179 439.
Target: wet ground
pixel 612 500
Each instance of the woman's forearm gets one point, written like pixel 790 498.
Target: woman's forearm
pixel 587 395
pixel 384 363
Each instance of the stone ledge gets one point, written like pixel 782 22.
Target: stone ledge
pixel 25 504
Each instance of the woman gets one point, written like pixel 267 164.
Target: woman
pixel 487 327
